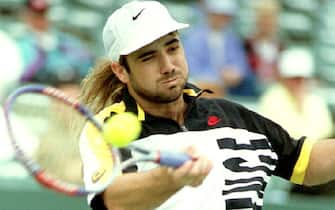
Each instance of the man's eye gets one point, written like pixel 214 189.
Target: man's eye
pixel 147 58
pixel 173 48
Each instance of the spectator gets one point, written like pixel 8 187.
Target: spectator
pixel 215 52
pixel 291 103
pixel 50 55
pixel 264 45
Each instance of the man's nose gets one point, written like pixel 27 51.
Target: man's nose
pixel 166 63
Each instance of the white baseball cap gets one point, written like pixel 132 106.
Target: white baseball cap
pixel 135 25
pixel 227 7
pixel 296 62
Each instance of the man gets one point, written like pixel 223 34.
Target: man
pixel 264 44
pixel 215 52
pixel 294 95
pixel 236 150
pixel 51 56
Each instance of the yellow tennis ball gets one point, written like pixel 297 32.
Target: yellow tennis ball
pixel 121 129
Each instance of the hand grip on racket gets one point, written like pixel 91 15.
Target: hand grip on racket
pixel 164 158
pixel 44 126
pixel 172 159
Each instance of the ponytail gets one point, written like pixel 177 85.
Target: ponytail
pixel 101 87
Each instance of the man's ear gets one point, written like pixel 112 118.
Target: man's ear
pixel 120 72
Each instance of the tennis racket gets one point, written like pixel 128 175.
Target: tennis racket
pixel 52 124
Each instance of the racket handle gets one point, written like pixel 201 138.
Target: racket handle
pixel 172 159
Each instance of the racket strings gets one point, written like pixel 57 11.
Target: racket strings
pixel 54 130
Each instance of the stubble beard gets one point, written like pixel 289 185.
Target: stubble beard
pixel 157 95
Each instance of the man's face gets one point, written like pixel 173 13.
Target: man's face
pixel 218 21
pixel 158 71
pixel 267 22
pixel 38 21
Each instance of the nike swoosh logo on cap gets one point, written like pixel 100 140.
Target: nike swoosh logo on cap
pixel 138 14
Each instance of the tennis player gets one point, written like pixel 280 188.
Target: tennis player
pixel 146 73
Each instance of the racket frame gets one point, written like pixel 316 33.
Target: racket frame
pixel 32 166
pixel 165 158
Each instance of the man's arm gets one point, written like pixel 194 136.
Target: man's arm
pixel 321 167
pixel 148 190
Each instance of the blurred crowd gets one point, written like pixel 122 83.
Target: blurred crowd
pixel 279 76
pixel 250 59
pixel 39 53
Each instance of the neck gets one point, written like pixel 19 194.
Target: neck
pixel 173 110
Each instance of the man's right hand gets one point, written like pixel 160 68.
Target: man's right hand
pixel 148 190
pixel 191 173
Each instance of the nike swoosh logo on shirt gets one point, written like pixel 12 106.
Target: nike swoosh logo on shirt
pixel 138 14
pixel 97 175
pixel 213 120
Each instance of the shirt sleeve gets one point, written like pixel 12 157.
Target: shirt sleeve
pixel 99 163
pixel 293 154
pixel 96 156
pixel 301 165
